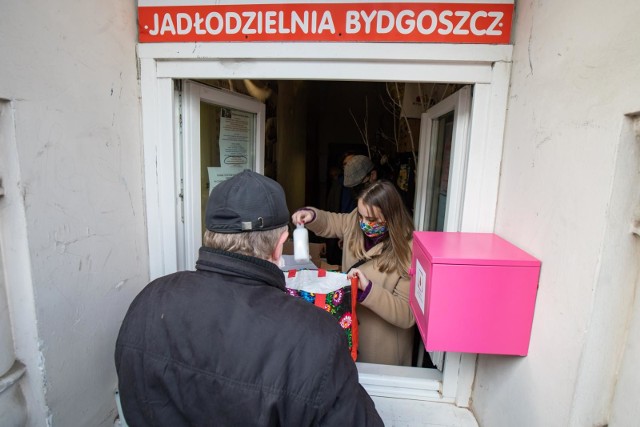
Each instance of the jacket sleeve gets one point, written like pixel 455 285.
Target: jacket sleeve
pixel 329 224
pixel 392 306
pixel 345 401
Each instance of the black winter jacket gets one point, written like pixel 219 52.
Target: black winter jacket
pixel 226 346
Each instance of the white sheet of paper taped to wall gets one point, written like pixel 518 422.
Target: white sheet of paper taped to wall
pixel 219 174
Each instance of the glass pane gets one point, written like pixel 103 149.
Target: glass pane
pixel 441 175
pixel 227 145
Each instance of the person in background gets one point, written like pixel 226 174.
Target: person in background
pixel 225 345
pixel 377 250
pixel 339 199
pixel 348 200
pixel 359 172
pixel 335 188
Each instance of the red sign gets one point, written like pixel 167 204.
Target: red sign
pixel 487 23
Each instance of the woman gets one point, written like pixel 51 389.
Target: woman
pixel 377 250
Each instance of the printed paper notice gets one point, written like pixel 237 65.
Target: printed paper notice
pixel 235 128
pixel 420 286
pixel 217 175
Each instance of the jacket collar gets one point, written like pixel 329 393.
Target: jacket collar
pixel 375 250
pixel 254 270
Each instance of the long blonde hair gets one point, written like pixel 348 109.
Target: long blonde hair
pixel 396 249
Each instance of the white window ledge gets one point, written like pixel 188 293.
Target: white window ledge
pixel 402 382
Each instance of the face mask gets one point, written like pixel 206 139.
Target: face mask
pixel 373 229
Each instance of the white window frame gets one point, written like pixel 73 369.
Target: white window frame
pixel 26 375
pixel 460 104
pixel 486 67
pixel 193 93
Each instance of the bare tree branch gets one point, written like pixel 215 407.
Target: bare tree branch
pixel 363 130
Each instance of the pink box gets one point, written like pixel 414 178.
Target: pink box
pixel 472 292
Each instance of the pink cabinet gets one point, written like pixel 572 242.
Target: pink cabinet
pixel 472 293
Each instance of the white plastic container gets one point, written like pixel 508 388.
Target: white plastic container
pixel 300 243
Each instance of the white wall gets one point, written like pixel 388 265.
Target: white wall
pixel 69 72
pixel 568 191
pixel 625 409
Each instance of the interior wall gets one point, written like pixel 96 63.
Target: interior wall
pixel 69 71
pixel 336 110
pixel 364 118
pixel 356 117
pixel 566 178
pixel 291 144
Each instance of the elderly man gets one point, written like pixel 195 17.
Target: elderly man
pixel 224 345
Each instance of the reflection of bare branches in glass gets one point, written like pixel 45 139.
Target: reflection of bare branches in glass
pixel 364 134
pixel 393 105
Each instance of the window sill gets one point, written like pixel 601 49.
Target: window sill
pixel 402 382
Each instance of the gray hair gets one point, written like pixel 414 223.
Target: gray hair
pixel 259 244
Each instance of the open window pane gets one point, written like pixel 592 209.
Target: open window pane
pixel 444 149
pixel 223 134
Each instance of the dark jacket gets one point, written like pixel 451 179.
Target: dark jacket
pixel 226 346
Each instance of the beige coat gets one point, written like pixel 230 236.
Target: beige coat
pixel 385 319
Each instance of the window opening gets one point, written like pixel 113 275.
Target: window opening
pixel 339 117
pixel 486 68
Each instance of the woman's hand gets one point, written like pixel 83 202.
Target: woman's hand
pixel 363 282
pixel 303 216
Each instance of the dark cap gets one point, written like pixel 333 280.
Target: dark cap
pixel 356 170
pixel 247 201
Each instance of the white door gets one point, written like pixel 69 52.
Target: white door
pixel 222 135
pixel 440 185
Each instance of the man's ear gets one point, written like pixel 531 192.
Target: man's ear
pixel 277 251
pixel 373 176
